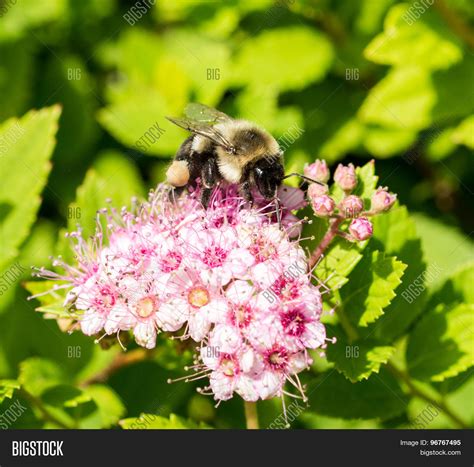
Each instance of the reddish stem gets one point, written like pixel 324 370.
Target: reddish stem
pixel 326 240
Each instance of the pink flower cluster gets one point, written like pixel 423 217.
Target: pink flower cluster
pixel 227 277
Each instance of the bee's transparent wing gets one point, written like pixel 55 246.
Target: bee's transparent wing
pixel 200 120
pixel 204 114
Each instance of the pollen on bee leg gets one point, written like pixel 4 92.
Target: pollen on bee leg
pixel 178 173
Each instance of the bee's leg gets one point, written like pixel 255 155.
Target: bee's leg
pixel 175 193
pixel 246 192
pixel 210 177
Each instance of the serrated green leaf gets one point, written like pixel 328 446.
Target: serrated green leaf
pixel 339 260
pixel 378 397
pixel 406 40
pixel 38 374
pixel 403 100
pixel 442 344
pixel 357 360
pixel 371 287
pixel 272 50
pixel 26 145
pixel 147 421
pixel 396 232
pixel 7 388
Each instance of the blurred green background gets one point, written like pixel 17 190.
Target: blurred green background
pixel 346 81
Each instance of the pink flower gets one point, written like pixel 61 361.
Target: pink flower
pixel 361 229
pixel 351 206
pixel 345 177
pixel 382 200
pixel 318 171
pixel 323 206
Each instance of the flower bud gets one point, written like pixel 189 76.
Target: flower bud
pixel 323 206
pixel 351 206
pixel 345 177
pixel 317 171
pixel 361 229
pixel 315 190
pixel 382 200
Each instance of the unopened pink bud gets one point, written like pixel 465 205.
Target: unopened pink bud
pixel 345 177
pixel 323 206
pixel 351 206
pixel 317 171
pixel 361 229
pixel 382 200
pixel 315 190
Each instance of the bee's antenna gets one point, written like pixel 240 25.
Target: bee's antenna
pixel 304 177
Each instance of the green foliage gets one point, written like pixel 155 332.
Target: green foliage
pixel 371 287
pixel 440 346
pixel 357 360
pixel 155 422
pixel 343 81
pixel 27 145
pixel 379 397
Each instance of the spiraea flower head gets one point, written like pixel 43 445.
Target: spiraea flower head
pixel 226 277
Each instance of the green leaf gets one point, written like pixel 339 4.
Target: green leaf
pixel 366 182
pixel 147 421
pixel 26 145
pixel 445 248
pixel 386 142
pixel 138 121
pixel 464 133
pixel 359 359
pixel 442 345
pixel 396 232
pixel 38 374
pixel 259 58
pixel 423 41
pixel 371 287
pixel 7 388
pixel 112 177
pixel 106 410
pixel 378 397
pixel 457 288
pixel 28 14
pixel 403 100
pixel 339 260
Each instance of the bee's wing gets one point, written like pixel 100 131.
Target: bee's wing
pixel 203 126
pixel 204 114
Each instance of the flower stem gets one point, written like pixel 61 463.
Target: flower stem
pixel 121 360
pixel 418 392
pixel 251 415
pixel 326 240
